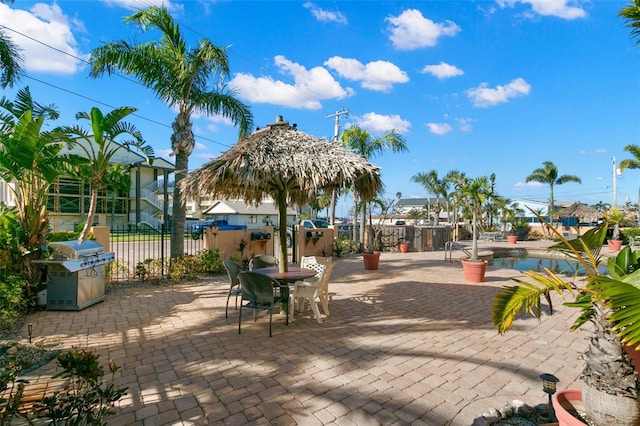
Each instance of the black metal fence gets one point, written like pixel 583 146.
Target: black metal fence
pixel 145 246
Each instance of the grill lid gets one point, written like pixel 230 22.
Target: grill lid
pixel 75 249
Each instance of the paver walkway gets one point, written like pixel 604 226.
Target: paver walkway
pixel 409 344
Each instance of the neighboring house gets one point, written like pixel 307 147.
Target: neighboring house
pixel 68 201
pixel 254 217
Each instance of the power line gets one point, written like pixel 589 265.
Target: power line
pixel 112 106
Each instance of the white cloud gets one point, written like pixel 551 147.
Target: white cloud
pixel 410 30
pixel 439 128
pixel 597 151
pixel 325 15
pixel 531 184
pixel 442 70
pixel 464 124
pixel 46 23
pixel 380 124
pixel 565 9
pixel 484 96
pixel 309 88
pixel 377 75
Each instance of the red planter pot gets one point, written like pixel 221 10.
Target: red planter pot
pixel 403 247
pixel 614 245
pixel 512 239
pixel 371 260
pixel 564 401
pixel 474 271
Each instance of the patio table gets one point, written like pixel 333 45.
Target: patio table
pixel 294 273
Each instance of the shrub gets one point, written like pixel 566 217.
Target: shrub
pixel 211 261
pixel 10 237
pixel 185 267
pixel 12 299
pixel 88 399
pixel 341 247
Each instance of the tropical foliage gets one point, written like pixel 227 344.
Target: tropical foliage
pixel 472 193
pixel 32 159
pixel 363 143
pixel 610 302
pixel 191 80
pixel 549 175
pixel 99 148
pixel 631 15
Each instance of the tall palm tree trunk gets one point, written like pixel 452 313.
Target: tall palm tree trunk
pixel 182 142
pixel 179 212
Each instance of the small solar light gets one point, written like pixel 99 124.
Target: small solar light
pixel 549 387
pixel 30 331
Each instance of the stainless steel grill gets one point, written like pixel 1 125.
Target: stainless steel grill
pixel 76 276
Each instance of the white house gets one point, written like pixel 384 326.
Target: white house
pixel 237 212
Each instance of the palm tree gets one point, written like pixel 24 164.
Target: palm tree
pixel 179 76
pixel 631 163
pixel 601 206
pixel 433 185
pixel 549 175
pixel 631 15
pixel 100 147
pixel 472 193
pixel 609 302
pixel 32 160
pixel 454 178
pixel 362 142
pixel 10 60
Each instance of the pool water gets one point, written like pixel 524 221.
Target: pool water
pixel 528 263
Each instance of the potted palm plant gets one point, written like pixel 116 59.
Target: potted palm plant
pixel 472 193
pixel 610 302
pixel 614 216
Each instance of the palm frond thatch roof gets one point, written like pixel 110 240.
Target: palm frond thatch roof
pixel 584 213
pixel 281 158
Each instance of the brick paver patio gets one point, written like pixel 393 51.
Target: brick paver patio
pixel 409 344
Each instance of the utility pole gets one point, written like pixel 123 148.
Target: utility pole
pixel 336 131
pixel 615 186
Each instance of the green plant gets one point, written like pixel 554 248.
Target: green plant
pixel 472 193
pixel 62 236
pixel 12 299
pixel 12 388
pixel 149 269
pixel 10 236
pixel 614 216
pixel 211 261
pixel 610 302
pixel 185 267
pixel 88 400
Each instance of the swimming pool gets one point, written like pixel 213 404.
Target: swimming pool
pixel 537 261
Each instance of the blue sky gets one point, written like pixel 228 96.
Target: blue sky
pixel 478 86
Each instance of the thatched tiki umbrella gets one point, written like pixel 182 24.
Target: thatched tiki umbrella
pixel 287 165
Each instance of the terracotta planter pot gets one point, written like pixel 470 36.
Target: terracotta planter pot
pixel 371 260
pixel 512 239
pixel 614 245
pixel 566 401
pixel 633 355
pixel 403 247
pixel 474 271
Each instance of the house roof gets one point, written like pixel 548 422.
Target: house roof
pixel 121 156
pixel 239 207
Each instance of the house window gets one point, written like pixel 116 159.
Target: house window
pixel 253 219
